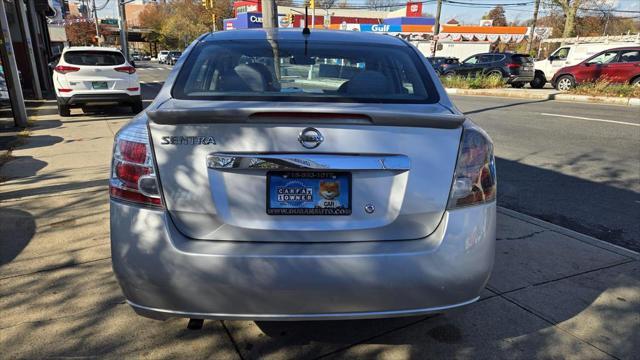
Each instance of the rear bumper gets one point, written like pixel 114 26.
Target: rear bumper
pixel 81 99
pixel 163 274
pixel 520 78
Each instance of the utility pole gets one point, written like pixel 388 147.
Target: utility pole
pixel 436 28
pixel 269 14
pixel 124 45
pixel 532 33
pixel 95 19
pixel 312 3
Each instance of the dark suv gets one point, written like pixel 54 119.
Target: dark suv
pixel 515 69
pixel 441 64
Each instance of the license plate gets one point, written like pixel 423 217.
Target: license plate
pixel 99 85
pixel 308 193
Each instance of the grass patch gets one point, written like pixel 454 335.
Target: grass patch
pixel 606 88
pixel 478 82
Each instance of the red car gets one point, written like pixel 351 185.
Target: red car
pixel 620 65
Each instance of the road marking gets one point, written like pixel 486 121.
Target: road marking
pixel 591 119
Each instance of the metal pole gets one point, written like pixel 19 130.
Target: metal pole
pixel 436 27
pixel 123 30
pixel 11 72
pixel 269 14
pixel 532 33
pixel 35 78
pixel 95 19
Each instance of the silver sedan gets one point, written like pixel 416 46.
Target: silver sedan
pixel 284 176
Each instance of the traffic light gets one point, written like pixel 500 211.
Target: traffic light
pixel 208 4
pixel 312 4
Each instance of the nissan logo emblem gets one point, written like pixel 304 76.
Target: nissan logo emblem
pixel 310 138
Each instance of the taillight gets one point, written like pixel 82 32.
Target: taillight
pixel 513 66
pixel 133 176
pixel 125 69
pixel 63 69
pixel 474 180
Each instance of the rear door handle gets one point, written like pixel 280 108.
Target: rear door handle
pixel 294 161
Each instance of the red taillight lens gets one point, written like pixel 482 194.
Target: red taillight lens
pixel 133 151
pixel 132 173
pixel 125 69
pixel 65 90
pixel 63 69
pixel 133 89
pixel 475 176
pixel 513 66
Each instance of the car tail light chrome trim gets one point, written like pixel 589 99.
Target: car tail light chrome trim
pixel 133 177
pixel 474 179
pixel 63 69
pixel 125 69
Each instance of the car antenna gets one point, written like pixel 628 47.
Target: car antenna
pixel 306 30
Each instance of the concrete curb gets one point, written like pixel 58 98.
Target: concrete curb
pixel 525 94
pixel 572 234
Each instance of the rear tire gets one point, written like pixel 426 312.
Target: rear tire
pixel 565 83
pixel 538 81
pixel 495 73
pixel 136 107
pixel 449 75
pixel 517 85
pixel 64 110
pixel 636 81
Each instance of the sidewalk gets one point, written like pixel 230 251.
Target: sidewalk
pixel 544 94
pixel 553 294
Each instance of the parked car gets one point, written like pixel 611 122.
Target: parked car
pixel 88 75
pixel 515 69
pixel 621 66
pixel 162 56
pixel 441 64
pixel 569 55
pixel 173 57
pixel 136 57
pixel 146 57
pixel 287 199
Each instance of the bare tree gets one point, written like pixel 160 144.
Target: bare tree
pixel 381 4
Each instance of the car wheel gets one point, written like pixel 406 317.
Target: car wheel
pixel 636 81
pixel 449 75
pixel 517 85
pixel 565 83
pixel 538 81
pixel 495 73
pixel 136 107
pixel 64 110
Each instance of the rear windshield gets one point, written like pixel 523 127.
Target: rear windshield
pixel 94 58
pixel 295 71
pixel 175 53
pixel 521 59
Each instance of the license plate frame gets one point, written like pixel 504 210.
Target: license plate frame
pixel 99 85
pixel 298 183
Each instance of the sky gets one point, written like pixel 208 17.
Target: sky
pixel 463 13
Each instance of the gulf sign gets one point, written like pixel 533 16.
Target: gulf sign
pixel 380 28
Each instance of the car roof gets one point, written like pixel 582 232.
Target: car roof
pixel 90 48
pixel 622 48
pixel 296 34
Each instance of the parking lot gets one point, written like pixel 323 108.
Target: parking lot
pixel 566 283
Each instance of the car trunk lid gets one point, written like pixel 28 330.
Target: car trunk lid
pixel 214 159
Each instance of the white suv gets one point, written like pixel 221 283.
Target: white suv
pixel 88 75
pixel 162 56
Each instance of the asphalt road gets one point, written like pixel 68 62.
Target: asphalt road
pixel 575 165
